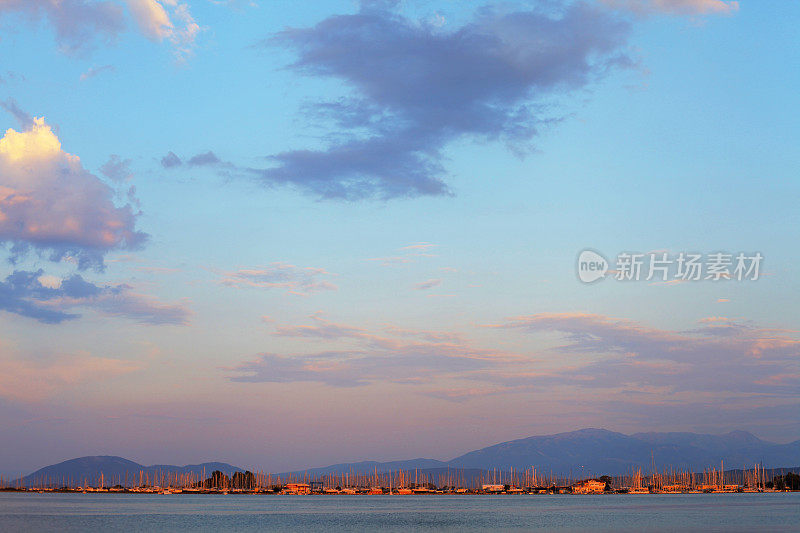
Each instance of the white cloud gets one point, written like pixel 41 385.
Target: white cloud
pixel 50 202
pixel 166 19
pixel 152 18
pixel 50 282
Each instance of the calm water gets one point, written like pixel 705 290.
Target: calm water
pixel 138 512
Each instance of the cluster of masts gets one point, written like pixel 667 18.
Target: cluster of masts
pixel 493 481
pixel 710 480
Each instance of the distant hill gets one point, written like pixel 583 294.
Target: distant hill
pixel 114 470
pixel 586 451
pixel 605 452
pixel 599 451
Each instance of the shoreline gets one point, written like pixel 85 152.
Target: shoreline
pixel 468 492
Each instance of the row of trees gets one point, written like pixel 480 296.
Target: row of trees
pixel 239 480
pixel 790 481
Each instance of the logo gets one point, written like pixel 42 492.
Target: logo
pixel 663 267
pixel 591 266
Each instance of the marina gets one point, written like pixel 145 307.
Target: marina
pixel 404 483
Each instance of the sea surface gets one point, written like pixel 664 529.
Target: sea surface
pixel 197 512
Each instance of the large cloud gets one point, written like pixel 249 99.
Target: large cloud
pixel 416 87
pixel 50 202
pixel 50 300
pixel 76 22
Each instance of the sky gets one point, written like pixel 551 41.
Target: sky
pixel 286 235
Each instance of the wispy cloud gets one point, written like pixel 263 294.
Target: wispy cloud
pixel 94 71
pixel 294 279
pixel 427 284
pixel 407 254
pixel 395 355
pixel 142 308
pixel 420 246
pixel 24 379
pixel 608 359
pixel 322 329
pixel 720 356
pixel 24 119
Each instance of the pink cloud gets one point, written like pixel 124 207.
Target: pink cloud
pixel 76 22
pixel 295 280
pixel 49 202
pixel 408 254
pixel 721 355
pixel 404 356
pixel 36 380
pixel 79 23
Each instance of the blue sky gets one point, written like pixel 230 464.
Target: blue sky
pixel 380 246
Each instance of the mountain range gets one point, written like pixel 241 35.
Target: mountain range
pixel 590 451
pixel 606 452
pixel 117 469
pixel 599 451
